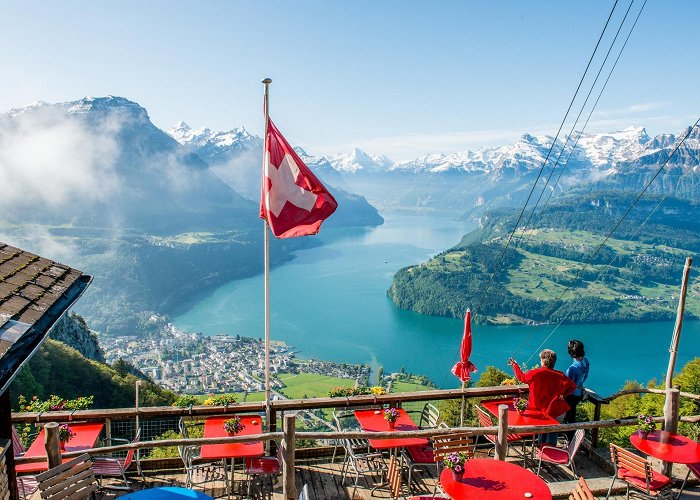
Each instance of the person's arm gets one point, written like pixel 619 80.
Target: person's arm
pixel 568 386
pixel 519 375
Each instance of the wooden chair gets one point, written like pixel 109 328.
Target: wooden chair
pixel 444 445
pixel 581 491
pixel 71 480
pixel 637 472
pixel 420 456
pixel 394 479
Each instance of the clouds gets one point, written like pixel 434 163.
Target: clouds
pixel 50 158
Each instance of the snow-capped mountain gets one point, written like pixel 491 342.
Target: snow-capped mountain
pixel 358 160
pixel 236 157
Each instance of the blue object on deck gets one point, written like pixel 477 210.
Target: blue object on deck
pixel 166 492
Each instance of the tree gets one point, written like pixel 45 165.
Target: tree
pixel 492 377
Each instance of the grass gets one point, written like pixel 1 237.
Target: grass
pixel 309 385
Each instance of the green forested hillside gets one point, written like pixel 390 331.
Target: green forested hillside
pixel 634 276
pixel 58 369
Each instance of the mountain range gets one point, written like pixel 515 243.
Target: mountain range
pixel 473 181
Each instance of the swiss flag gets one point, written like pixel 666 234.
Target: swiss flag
pixel 293 200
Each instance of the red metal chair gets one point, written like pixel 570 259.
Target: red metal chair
pixel 695 470
pixel 485 421
pixel 420 456
pixel 26 485
pixel 114 466
pixel 394 479
pixel 561 456
pixel 636 472
pixel 259 467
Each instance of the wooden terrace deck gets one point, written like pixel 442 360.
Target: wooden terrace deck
pixel 323 478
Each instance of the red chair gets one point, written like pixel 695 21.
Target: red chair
pixel 394 479
pixel 262 466
pixel 116 467
pixel 561 456
pixel 485 421
pixel 695 469
pixel 636 472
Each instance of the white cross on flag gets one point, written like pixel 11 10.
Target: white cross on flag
pixel 293 200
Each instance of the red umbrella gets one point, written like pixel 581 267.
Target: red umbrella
pixel 464 367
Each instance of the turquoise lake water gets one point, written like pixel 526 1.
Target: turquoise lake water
pixel 330 303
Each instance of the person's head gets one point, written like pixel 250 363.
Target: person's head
pixel 548 358
pixel 576 349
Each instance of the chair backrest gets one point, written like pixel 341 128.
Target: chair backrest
pixel 429 417
pixel 304 493
pixel 130 453
pixel 17 444
pixel 345 420
pixel 581 490
pixel 575 443
pixel 393 476
pixel 484 418
pixel 624 459
pixel 73 479
pixel 444 445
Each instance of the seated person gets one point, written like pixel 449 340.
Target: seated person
pixel 547 389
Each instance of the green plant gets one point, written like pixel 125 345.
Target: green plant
pixel 220 400
pixel 349 391
pixel 520 404
pixel 185 401
pixel 65 433
pixel 233 425
pixel 645 423
pixel 54 403
pixel 455 461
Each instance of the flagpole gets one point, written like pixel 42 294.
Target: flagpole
pixel 266 82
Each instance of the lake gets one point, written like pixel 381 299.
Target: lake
pixel 330 303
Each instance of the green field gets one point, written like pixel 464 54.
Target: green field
pixel 309 385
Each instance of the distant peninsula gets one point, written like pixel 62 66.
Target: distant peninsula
pixel 634 276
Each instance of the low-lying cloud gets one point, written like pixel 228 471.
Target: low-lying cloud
pixel 50 158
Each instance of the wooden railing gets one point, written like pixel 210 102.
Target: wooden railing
pixel 288 436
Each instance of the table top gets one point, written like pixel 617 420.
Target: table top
pixel 172 492
pixel 86 435
pixel 488 478
pixel 373 421
pixel 214 427
pixel 527 417
pixel 668 446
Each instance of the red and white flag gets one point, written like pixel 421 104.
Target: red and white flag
pixel 293 200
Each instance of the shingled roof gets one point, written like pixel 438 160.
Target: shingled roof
pixel 34 294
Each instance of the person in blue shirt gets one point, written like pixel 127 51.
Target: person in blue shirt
pixel 578 372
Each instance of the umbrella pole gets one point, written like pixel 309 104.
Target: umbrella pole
pixel 461 411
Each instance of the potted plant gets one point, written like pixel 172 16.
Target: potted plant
pixel 455 462
pixel 645 425
pixel 65 434
pixel 520 404
pixel 233 426
pixel 391 415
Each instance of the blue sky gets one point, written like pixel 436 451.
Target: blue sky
pixel 401 78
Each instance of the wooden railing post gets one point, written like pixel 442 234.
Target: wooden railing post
pixel 53 447
pixel 502 444
pixel 596 416
pixel 289 488
pixel 671 404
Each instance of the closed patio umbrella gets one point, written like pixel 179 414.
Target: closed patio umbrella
pixel 464 368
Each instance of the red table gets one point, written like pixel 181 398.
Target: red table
pixel 527 417
pixel 86 435
pixel 373 421
pixel 487 478
pixel 214 427
pixel 668 447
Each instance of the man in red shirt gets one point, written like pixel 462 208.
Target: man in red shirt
pixel 547 389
